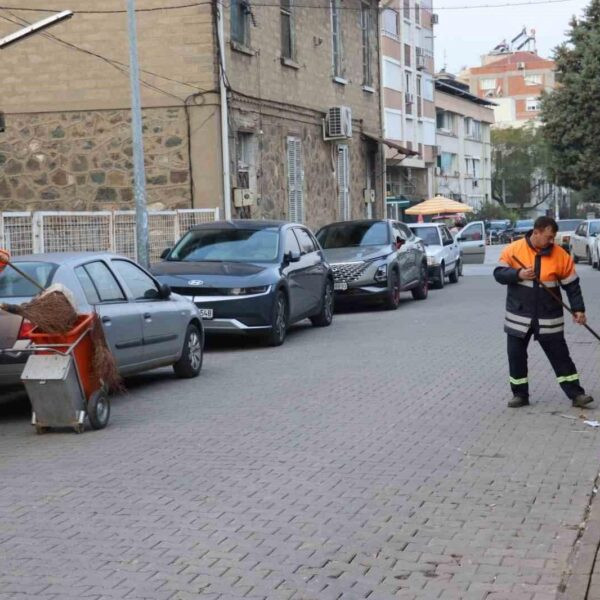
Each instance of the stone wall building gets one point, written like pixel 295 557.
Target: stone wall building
pixel 66 100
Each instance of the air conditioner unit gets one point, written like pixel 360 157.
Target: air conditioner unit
pixel 243 197
pixel 338 123
pixel 520 66
pixel 435 19
pixel 409 98
pixel 420 62
pixel 369 195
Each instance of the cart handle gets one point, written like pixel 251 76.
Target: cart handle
pixel 50 347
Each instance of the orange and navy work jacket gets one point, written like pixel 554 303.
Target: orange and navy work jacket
pixel 528 306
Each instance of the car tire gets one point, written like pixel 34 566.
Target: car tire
pixel 460 268
pixel 324 317
pixel 192 356
pixel 441 278
pixel 279 320
pixel 392 300
pixel 98 409
pixel 588 256
pixel 422 290
pixel 453 277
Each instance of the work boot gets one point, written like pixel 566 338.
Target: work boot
pixel 582 400
pixel 518 401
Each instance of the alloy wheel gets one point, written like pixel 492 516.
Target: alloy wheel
pixel 195 350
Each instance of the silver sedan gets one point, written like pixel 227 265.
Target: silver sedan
pixel 145 324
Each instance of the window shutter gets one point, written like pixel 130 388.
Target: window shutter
pixel 343 178
pixel 295 177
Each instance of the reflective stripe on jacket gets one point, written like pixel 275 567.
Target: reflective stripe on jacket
pixel 528 306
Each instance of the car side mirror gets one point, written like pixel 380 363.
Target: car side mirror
pixel 164 291
pixel 399 243
pixel 165 253
pixel 292 257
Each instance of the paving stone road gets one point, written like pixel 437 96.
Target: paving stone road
pixel 373 459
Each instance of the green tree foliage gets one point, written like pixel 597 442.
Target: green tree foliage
pixel 571 113
pixel 520 157
pixel 493 211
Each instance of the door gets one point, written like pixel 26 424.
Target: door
pixel 313 268
pixel 298 295
pixel 580 240
pixel 162 324
pixel 451 250
pixel 121 319
pixel 407 258
pixel 471 240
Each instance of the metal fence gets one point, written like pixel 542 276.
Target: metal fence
pixel 65 231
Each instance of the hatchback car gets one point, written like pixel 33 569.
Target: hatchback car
pixel 255 277
pixel 443 252
pixel 582 240
pixel 521 228
pixel 146 326
pixel 566 229
pixel 375 260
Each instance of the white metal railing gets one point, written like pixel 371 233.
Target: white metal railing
pixel 101 231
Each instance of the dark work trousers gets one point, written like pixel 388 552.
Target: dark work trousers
pixel 556 350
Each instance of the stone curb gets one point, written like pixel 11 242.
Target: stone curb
pixel 581 562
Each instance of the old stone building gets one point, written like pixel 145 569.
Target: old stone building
pixel 65 98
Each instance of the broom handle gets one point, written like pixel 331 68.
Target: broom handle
pixel 23 274
pixel 559 300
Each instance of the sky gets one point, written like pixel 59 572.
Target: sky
pixel 462 36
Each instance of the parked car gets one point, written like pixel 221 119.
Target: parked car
pixel 146 325
pixel 499 232
pixel 251 277
pixel 376 260
pixel 471 240
pixel 582 241
pixel 566 229
pixel 521 228
pixel 443 252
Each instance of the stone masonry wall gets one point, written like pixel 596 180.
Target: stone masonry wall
pixel 83 160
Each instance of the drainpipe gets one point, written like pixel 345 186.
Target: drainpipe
pixel 224 114
pixel 382 151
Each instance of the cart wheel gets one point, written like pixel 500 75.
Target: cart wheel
pixel 98 409
pixel 40 429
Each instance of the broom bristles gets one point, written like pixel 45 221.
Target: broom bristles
pixel 104 364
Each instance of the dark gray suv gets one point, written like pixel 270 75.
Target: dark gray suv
pixel 375 259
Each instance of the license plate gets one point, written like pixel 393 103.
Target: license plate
pixel 206 313
pixel 341 286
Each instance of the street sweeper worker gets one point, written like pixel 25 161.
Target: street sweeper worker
pixel 531 311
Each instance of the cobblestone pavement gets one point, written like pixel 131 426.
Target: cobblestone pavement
pixel 373 459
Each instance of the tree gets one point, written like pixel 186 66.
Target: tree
pixel 520 157
pixel 571 113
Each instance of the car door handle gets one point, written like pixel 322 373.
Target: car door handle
pixel 106 319
pixel 147 316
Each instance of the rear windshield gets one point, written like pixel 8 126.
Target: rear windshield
pixel 350 235
pixel 429 235
pixel 521 224
pixel 571 225
pixel 13 285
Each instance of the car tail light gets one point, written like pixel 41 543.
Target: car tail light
pixel 26 328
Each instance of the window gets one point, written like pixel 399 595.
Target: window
pixel 407 55
pixel 445 121
pixel 287 30
pixel 472 232
pixel 473 167
pixel 532 104
pixel 429 133
pixel 407 232
pixel 487 84
pixel 392 74
pixel 428 88
pixel 295 176
pixel 365 22
pixel 447 238
pixel 417 14
pixel 291 243
pixel 141 285
pixel 392 124
pixel 13 285
pixel 240 22
pixel 244 158
pixel 408 82
pixel 398 233
pixel 336 38
pixel 407 9
pixel 354 235
pixel 419 86
pixel 534 79
pixel 390 22
pixel 343 180
pixel 89 289
pixel 306 243
pixel 472 128
pixel 105 283
pixel 446 161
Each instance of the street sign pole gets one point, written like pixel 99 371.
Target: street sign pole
pixel 139 171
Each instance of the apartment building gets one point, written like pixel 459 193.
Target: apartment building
pixel 408 100
pixel 266 111
pixel 464 152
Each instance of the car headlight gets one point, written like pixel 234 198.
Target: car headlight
pixel 261 289
pixel 432 260
pixel 381 273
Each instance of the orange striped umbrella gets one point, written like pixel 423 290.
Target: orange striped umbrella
pixel 437 206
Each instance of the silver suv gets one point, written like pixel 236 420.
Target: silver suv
pixel 374 259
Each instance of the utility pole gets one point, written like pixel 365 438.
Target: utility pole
pixel 139 171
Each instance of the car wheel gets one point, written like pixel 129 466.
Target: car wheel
pixel 460 268
pixel 588 256
pixel 422 290
pixel 392 300
pixel 453 277
pixel 325 315
pixel 190 363
pixel 279 321
pixel 98 409
pixel 441 278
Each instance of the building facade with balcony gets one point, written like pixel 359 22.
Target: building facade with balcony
pixel 408 100
pixel 464 152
